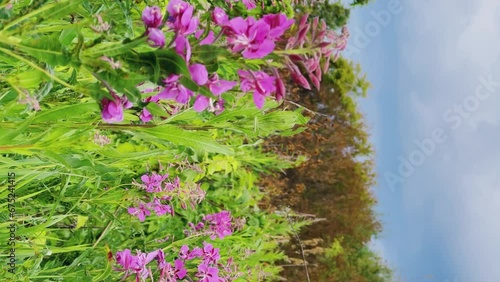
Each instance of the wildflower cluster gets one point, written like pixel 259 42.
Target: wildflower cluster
pixel 323 44
pixel 162 193
pixel 215 225
pixel 205 260
pixel 249 38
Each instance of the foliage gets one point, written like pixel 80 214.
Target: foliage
pixel 135 133
pixel 335 181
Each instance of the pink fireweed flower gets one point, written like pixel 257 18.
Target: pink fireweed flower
pixel 201 103
pixel 175 185
pixel 280 89
pixel 181 18
pixel 141 212
pixel 278 23
pixel 219 17
pixel 142 260
pixel 154 182
pixel 211 255
pixel 199 73
pixel 260 82
pixel 151 16
pixel 126 260
pixel 160 258
pixel 209 39
pixel 182 47
pixel 185 254
pixel 219 107
pixel 112 110
pixel 250 36
pixel 174 90
pixel 160 208
pixel 219 224
pixel 207 273
pixel 217 87
pixel 145 115
pixel 171 273
pixel 156 38
pixel 136 264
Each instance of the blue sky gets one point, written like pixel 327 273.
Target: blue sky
pixel 433 116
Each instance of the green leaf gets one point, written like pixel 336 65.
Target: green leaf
pixel 112 49
pixel 67 36
pixel 191 85
pixel 46 49
pixel 80 221
pixel 74 111
pixel 124 83
pixel 196 140
pixel 28 79
pixel 156 110
pixel 209 53
pixel 157 65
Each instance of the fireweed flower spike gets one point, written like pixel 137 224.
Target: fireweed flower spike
pixel 280 86
pixel 220 224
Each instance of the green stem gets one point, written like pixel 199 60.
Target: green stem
pixel 13 147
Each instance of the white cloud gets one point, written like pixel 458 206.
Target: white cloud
pixel 446 45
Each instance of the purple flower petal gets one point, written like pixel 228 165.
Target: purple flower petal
pixel 201 103
pixel 156 38
pixel 199 73
pixel 219 16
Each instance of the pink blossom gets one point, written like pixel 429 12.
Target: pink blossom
pixel 174 90
pixel 156 38
pixel 260 82
pixel 249 36
pixel 181 18
pixel 151 16
pixel 219 16
pixel 141 212
pixel 278 23
pixel 198 73
pixel 207 273
pixel 112 109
